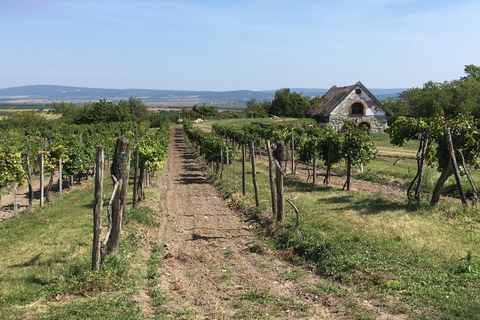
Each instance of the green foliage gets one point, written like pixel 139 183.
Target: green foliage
pixel 153 149
pixel 356 145
pixel 206 112
pixel 454 98
pixel 23 119
pixel 211 145
pixel 256 110
pixel 144 215
pixel 289 104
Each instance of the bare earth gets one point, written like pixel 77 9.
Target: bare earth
pixel 208 266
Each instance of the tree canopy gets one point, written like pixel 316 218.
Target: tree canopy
pixel 456 97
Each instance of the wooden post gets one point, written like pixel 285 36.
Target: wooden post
pixel 15 207
pixel 234 172
pixel 97 210
pixel 271 165
pixel 228 164
pixel 135 176
pixel 60 173
pixel 119 170
pixel 314 162
pixel 221 160
pixel 41 178
pixel 29 178
pixel 123 195
pixel 292 144
pixel 455 166
pixel 243 168
pixel 280 155
pixel 254 174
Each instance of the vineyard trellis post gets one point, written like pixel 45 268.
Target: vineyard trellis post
pixel 455 166
pixel 272 179
pixel 15 207
pixel 280 156
pixel 243 168
pixel 60 173
pixel 292 144
pixel 29 178
pixel 254 173
pixel 41 178
pixel 314 162
pixel 118 170
pixel 135 178
pixel 97 211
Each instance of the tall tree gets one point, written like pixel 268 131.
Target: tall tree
pixel 289 104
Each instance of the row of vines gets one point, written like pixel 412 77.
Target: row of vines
pixel 71 149
pixel 308 143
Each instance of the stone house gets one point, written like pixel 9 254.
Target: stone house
pixel 353 102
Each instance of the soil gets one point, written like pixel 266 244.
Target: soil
pixel 215 267
pixel 209 264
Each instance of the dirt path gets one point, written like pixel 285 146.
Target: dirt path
pixel 208 270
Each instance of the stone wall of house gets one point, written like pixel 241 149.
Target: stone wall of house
pixel 376 123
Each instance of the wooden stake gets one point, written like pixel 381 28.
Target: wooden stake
pixel 254 174
pixel 272 179
pixel 455 166
pixel 97 210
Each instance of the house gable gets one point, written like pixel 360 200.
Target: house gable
pixel 353 102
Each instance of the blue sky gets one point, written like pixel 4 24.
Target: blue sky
pixel 223 45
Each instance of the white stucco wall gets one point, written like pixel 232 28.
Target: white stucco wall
pixel 369 105
pixel 373 114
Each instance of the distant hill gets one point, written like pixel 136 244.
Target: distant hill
pixel 49 93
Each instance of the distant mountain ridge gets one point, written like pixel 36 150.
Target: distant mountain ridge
pixel 66 93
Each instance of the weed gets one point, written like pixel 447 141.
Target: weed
pixel 293 275
pixel 144 215
pixel 101 307
pixel 228 251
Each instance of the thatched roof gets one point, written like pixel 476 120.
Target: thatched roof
pixel 332 98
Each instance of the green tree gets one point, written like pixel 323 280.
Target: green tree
pixel 23 119
pixel 289 104
pixel 206 112
pixel 68 111
pixel 356 146
pixel 136 107
pixel 453 97
pixel 256 110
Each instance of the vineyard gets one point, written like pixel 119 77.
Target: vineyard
pixel 298 245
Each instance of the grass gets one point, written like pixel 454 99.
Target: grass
pixel 239 123
pixel 427 257
pixel 47 262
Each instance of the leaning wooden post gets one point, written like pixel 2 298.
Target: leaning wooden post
pixel 97 209
pixel 41 179
pixel 118 170
pixel 280 155
pixel 455 166
pixel 272 179
pixel 254 174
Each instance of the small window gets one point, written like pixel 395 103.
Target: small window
pixel 357 108
pixel 358 91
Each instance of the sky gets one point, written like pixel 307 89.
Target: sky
pixel 221 45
